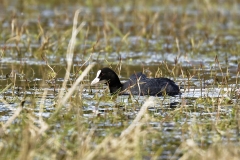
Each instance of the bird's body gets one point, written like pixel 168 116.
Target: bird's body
pixel 137 84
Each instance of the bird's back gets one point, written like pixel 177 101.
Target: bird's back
pixel 139 84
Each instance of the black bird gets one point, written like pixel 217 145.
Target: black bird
pixel 138 84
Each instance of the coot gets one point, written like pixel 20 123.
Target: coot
pixel 137 84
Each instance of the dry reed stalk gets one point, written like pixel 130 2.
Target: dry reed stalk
pixel 80 78
pixel 123 139
pixel 149 102
pixel 69 56
pixel 11 119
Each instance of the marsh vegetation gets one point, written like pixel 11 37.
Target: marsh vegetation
pixel 51 50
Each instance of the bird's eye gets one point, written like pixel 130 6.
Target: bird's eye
pixel 100 75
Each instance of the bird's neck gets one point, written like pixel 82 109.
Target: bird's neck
pixel 115 87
